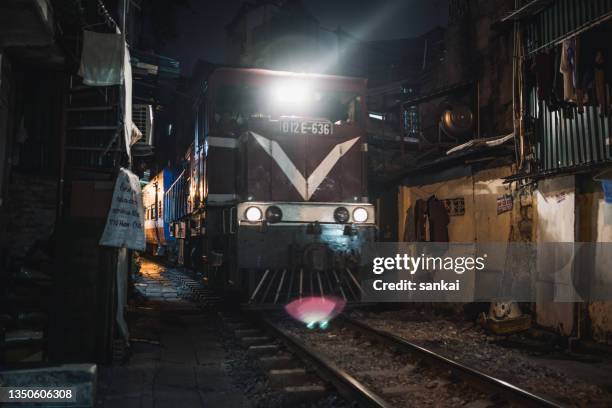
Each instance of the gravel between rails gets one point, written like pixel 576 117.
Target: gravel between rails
pixel 394 375
pixel 466 342
pixel 247 375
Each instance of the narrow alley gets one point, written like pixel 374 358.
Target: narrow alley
pixel 176 357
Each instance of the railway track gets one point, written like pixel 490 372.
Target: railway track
pixel 378 369
pixel 363 364
pixel 346 385
pixel 499 391
pixel 299 373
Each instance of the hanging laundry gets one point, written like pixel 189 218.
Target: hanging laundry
pixel 568 69
pixel 555 100
pixel 543 68
pixel 130 131
pixel 578 75
pixel 410 225
pixel 102 59
pixel 438 220
pixel 586 61
pixel 601 83
pixel 420 215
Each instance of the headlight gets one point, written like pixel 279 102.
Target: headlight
pixel 274 214
pixel 360 214
pixel 253 214
pixel 341 215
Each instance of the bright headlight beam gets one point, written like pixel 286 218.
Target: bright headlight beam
pixel 292 93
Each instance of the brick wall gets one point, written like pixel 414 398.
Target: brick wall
pixel 29 211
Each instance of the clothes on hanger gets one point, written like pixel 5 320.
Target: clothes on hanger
pixel 556 96
pixel 601 82
pixel 410 225
pixel 438 220
pixel 543 68
pixel 568 68
pixel 420 215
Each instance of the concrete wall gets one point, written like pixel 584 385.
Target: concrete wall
pixel 481 223
pixel 595 225
pixel 572 209
pixel 556 223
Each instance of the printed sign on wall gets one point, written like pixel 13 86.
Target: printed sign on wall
pixel 125 221
pixel 505 203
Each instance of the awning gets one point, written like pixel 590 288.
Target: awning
pixel 491 142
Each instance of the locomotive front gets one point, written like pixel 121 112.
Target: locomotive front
pixel 301 213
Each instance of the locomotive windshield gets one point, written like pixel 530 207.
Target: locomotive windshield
pixel 235 105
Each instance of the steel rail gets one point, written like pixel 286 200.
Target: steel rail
pixel 473 376
pixel 346 385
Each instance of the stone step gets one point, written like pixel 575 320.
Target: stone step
pixel 254 341
pixel 289 377
pixel 238 326
pixel 300 394
pixel 277 362
pixel 263 350
pixel 240 333
pixel 232 320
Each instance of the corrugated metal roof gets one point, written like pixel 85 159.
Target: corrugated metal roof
pixel 563 19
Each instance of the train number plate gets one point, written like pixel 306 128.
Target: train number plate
pixel 306 127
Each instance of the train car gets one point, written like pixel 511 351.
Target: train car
pixel 157 228
pixel 278 202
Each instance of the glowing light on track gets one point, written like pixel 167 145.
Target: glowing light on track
pixel 316 310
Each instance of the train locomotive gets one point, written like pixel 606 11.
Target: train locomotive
pixel 154 199
pixel 272 204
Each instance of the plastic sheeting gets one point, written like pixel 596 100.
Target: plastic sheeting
pixel 102 59
pixel 105 61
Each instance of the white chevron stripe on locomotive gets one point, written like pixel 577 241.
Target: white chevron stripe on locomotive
pixel 306 187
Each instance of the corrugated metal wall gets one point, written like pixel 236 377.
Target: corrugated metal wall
pixel 564 143
pixel 564 17
pixel 575 140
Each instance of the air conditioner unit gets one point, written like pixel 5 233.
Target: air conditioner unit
pixel 142 116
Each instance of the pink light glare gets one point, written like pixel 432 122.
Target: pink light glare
pixel 315 310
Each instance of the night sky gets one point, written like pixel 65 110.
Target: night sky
pixel 202 27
